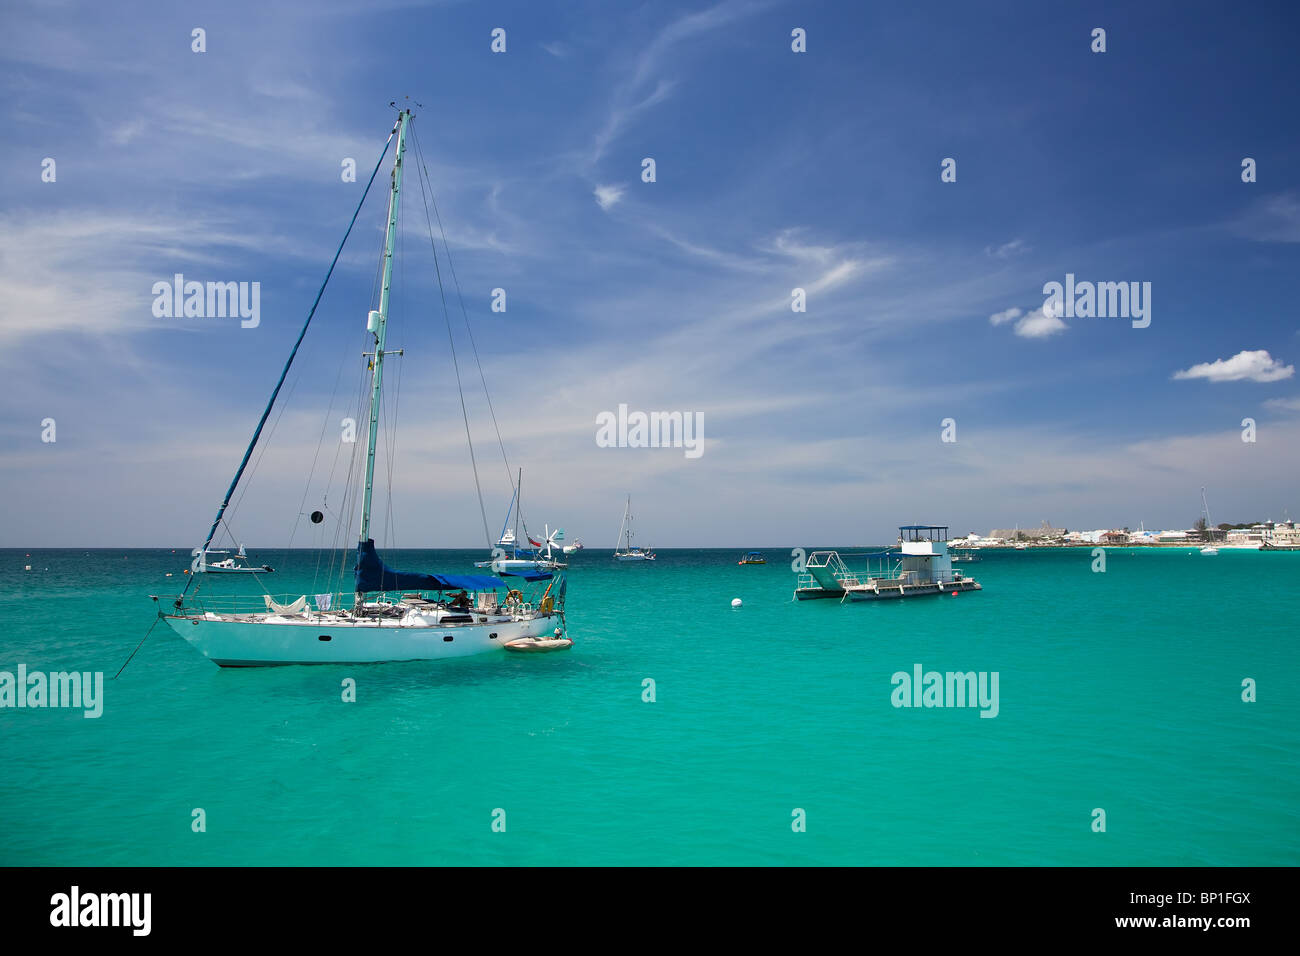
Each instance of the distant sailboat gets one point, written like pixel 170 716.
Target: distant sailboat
pixel 629 553
pixel 233 565
pixel 1209 528
pixel 510 559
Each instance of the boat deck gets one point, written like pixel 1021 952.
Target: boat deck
pixel 878 590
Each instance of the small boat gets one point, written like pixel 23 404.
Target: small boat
pixel 631 553
pixel 226 565
pixel 1209 549
pixel 752 557
pixel 539 645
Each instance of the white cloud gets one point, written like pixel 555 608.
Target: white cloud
pixel 607 196
pixel 556 49
pixel 1035 324
pixel 1284 404
pixel 1039 325
pixel 1253 366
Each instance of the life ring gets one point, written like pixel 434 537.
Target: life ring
pixel 514 597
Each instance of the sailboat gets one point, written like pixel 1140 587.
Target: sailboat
pixel 1209 527
pixel 234 565
pixel 630 553
pixel 394 615
pixel 507 557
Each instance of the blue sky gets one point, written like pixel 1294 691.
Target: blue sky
pixel 775 170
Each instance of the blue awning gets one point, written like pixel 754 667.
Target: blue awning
pixel 374 575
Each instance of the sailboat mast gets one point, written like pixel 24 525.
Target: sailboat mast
pixel 378 325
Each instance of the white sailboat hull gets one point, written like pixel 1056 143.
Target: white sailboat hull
pixel 513 565
pixel 262 643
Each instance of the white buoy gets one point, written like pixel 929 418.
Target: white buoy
pixel 27 568
pixel 736 602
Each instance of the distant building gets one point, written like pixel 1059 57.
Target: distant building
pixel 1045 533
pixel 1114 537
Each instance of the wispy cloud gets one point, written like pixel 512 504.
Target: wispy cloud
pixel 1274 218
pixel 608 196
pixel 634 95
pixel 1005 251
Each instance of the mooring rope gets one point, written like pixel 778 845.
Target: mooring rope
pixel 140 645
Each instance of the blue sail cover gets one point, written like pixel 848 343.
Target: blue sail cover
pixel 374 575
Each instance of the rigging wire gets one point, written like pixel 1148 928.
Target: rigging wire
pixel 510 475
pixel 487 535
pixel 257 434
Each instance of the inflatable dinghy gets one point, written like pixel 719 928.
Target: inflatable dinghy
pixel 538 645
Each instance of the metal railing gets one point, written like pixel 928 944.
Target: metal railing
pixel 483 602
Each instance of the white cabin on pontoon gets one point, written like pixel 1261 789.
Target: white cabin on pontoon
pixel 920 566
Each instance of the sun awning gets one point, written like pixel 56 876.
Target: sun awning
pixel 374 575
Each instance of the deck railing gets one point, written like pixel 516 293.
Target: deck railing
pixel 480 602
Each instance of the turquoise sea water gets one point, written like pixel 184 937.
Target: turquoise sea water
pixel 1119 690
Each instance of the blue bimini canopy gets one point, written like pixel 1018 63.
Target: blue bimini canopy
pixel 374 575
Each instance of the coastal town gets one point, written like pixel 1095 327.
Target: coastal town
pixel 1258 536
